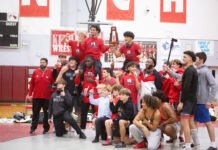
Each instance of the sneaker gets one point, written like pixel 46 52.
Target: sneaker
pixel 45 131
pixel 107 142
pixel 82 136
pixel 120 145
pixel 96 140
pixel 212 148
pixel 140 145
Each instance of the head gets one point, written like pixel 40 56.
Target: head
pixel 43 63
pixel 201 58
pixel 149 102
pixel 161 97
pixel 95 30
pixel 128 36
pixel 124 94
pixel 63 58
pixel 150 63
pixel 188 57
pixel 81 36
pixel 104 90
pixel 116 89
pixel 73 61
pixel 89 61
pixel 176 63
pixel 107 72
pixel 61 84
pixel 131 67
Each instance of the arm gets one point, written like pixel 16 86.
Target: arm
pixel 213 86
pixel 170 114
pixel 116 52
pixel 32 84
pixel 186 85
pixel 63 70
pixel 154 125
pixel 92 100
pixel 50 109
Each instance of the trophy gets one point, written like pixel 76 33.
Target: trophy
pixel 113 36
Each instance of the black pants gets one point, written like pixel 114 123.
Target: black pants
pixel 37 105
pixel 100 128
pixel 59 123
pixel 84 112
pixel 76 99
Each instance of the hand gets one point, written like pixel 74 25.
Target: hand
pixel 91 91
pixel 90 80
pixel 180 106
pixel 146 131
pixel 28 97
pixel 208 104
pixel 62 93
pixel 85 91
pixel 49 121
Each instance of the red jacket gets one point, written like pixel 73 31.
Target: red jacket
pixel 75 48
pixel 39 84
pixel 174 92
pixel 166 83
pixel 94 46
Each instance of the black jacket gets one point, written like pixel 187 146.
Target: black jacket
pixel 125 110
pixel 59 104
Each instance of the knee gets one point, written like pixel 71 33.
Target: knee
pixel 121 123
pixel 132 127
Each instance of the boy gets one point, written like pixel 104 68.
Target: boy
pixel 60 107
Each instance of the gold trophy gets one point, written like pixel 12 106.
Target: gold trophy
pixel 113 36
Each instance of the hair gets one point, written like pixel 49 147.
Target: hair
pixel 177 61
pixel 160 94
pixel 151 101
pixel 74 58
pixel 97 27
pixel 109 70
pixel 125 91
pixel 191 54
pixel 129 34
pixel 62 55
pixel 117 87
pixel 83 33
pixel 62 81
pixel 104 87
pixel 201 55
pixel 45 59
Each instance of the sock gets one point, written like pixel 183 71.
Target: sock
pixel 187 145
pixel 213 144
pixel 194 133
pixel 109 137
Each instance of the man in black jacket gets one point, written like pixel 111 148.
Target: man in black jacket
pixel 125 110
pixel 60 107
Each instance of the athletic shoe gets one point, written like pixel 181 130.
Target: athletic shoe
pixel 107 142
pixel 140 145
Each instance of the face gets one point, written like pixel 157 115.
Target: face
pixel 198 62
pixel 127 39
pixel 102 92
pixel 144 106
pixel 62 59
pixel 174 66
pixel 105 73
pixel 43 64
pixel 60 86
pixel 149 64
pixel 89 62
pixel 81 36
pixel 72 63
pixel 94 32
pixel 123 97
pixel 186 59
pixel 115 93
pixel 132 68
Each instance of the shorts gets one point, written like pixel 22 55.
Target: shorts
pixel 188 109
pixel 202 114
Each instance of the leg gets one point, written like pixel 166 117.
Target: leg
pixel 69 119
pixel 35 118
pixel 98 66
pixel 154 139
pixel 108 126
pixel 170 131
pixel 58 125
pixel 84 112
pixel 137 133
pixel 194 131
pixel 123 124
pixel 46 125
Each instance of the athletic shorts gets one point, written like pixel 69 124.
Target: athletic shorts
pixel 188 109
pixel 202 114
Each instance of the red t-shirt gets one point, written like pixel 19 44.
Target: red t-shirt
pixel 89 73
pixel 75 48
pixel 39 84
pixel 128 81
pixel 111 82
pixel 94 46
pixel 130 52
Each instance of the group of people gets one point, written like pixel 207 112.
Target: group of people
pixel 146 104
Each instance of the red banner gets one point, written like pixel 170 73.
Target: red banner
pixel 34 8
pixel 120 9
pixel 58 45
pixel 173 11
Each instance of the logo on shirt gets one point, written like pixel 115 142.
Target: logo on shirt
pixel 129 82
pixel 58 99
pixel 93 44
pixel 77 51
